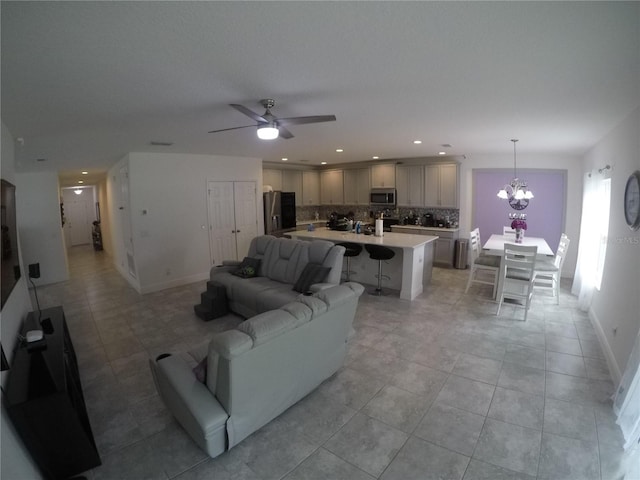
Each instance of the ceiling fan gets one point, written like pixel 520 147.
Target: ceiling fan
pixel 271 127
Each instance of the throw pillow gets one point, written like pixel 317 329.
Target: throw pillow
pixel 312 273
pixel 200 371
pixel 248 268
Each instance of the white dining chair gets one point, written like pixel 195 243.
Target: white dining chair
pixel 508 231
pixel 484 268
pixel 518 274
pixel 547 273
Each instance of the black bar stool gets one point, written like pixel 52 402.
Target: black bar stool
pixel 379 253
pixel 351 250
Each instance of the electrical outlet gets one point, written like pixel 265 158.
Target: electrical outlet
pixel 168 272
pixel 614 331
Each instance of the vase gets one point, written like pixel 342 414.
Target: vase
pixel 519 235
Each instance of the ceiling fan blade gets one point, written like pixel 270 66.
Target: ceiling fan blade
pixel 303 120
pixel 284 133
pixel 232 128
pixel 248 113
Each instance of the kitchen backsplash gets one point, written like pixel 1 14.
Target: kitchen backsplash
pixel 364 213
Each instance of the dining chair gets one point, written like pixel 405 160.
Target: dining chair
pixel 487 266
pixel 508 231
pixel 518 274
pixel 547 273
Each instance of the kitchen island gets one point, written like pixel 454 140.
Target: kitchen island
pixel 409 270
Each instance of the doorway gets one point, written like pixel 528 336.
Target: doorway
pixel 79 213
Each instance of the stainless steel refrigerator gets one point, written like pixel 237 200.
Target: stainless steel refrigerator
pixel 279 212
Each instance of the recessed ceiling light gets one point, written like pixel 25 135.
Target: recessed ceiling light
pixel 339 150
pixel 323 163
pixel 442 153
pixel 41 159
pixel 446 145
pixel 285 159
pixel 375 157
pixel 85 173
pixel 160 144
pixel 80 181
pixel 417 142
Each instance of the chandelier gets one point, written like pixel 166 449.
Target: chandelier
pixel 516 191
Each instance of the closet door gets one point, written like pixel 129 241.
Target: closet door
pixel 233 219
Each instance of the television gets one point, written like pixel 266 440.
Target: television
pixel 10 259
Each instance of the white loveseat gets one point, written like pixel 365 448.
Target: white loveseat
pixel 259 369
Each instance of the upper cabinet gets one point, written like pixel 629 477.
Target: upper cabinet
pixel 310 187
pixel 441 185
pixel 409 180
pixel 357 185
pixel 383 175
pixel 331 187
pixel 292 182
pixel 272 177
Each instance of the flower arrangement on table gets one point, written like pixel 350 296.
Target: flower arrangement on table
pixel 519 224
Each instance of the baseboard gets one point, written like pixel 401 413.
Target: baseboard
pixel 614 369
pixel 175 282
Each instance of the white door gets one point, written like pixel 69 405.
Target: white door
pixel 78 216
pixel 233 220
pixel 222 226
pixel 246 216
pixel 125 220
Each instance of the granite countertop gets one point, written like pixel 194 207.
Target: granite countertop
pixel 418 227
pixel 389 239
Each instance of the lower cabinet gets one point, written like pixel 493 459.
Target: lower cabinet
pixel 444 248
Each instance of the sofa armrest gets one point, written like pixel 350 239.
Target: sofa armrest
pixel 231 263
pixel 317 287
pixel 189 401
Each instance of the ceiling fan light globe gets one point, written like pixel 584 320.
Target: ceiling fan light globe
pixel 268 133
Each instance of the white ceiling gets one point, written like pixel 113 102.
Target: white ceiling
pixel 83 83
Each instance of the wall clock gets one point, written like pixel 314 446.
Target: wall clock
pixel 632 201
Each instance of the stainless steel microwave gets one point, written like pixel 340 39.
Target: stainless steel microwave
pixel 382 197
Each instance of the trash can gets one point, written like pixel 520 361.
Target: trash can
pixel 462 246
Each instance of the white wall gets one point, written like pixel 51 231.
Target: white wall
pixel 573 166
pixel 40 229
pixel 171 241
pixel 15 461
pixel 617 304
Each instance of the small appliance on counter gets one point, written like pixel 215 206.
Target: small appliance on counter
pixel 427 220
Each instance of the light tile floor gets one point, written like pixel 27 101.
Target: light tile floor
pixel 435 388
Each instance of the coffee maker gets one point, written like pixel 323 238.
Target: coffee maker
pixel 428 220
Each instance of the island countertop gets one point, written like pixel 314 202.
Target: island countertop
pixel 389 239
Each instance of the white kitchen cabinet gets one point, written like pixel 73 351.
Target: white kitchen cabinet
pixel 331 187
pixel 310 187
pixel 383 175
pixel 357 186
pixel 273 177
pixel 444 246
pixel 409 179
pixel 441 185
pixel 292 182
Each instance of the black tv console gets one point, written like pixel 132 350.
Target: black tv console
pixel 44 400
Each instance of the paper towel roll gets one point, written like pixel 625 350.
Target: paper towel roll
pixel 379 228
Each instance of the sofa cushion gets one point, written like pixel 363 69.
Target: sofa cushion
pixel 248 268
pixel 211 380
pixel 312 273
pixel 200 371
pixel 279 294
pixel 282 260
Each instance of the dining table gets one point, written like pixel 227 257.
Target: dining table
pixel 495 246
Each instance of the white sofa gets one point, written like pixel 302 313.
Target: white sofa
pixel 282 261
pixel 258 370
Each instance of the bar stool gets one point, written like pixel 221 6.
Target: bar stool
pixel 379 253
pixel 351 250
